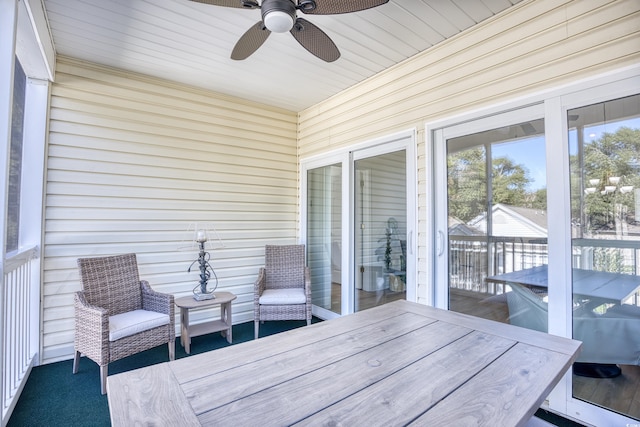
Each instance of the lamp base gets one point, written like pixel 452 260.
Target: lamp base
pixel 203 297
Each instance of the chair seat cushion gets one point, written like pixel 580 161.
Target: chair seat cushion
pixel 132 322
pixel 284 296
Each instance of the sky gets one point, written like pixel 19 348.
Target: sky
pixel 530 152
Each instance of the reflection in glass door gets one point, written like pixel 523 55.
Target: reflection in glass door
pixel 380 229
pixel 497 223
pixel 324 236
pixel 604 145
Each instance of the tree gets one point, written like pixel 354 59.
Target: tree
pixel 509 182
pixel 613 155
pixel 467 184
pixel 537 199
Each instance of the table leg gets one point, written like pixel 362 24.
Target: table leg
pixel 229 331
pixel 225 316
pixel 185 339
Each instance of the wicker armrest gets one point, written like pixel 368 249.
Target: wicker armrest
pixel 92 328
pixel 307 283
pixel 90 313
pixel 156 301
pixel 260 283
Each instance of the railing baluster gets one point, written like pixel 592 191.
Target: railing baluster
pixel 15 335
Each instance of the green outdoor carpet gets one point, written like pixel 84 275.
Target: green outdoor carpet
pixel 54 396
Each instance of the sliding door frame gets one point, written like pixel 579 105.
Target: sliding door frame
pixel 555 102
pixel 314 163
pixel 440 292
pixel 404 140
pixel 558 107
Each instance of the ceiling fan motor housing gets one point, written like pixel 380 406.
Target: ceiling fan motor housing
pixel 278 15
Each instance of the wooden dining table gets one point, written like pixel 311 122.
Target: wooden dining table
pixel 401 363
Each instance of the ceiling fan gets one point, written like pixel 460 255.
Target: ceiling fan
pixel 280 16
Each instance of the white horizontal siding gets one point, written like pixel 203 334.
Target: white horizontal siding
pixel 532 46
pixel 134 162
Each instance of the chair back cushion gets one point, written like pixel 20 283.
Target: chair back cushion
pixel 284 266
pixel 111 282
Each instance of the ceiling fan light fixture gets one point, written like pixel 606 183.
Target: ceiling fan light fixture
pixel 278 22
pixel 278 16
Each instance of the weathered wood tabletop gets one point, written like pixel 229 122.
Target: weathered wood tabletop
pixel 398 364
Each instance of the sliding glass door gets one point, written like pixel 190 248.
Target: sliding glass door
pixel 359 219
pixel 604 144
pixel 537 224
pixel 324 236
pixel 495 202
pixel 380 229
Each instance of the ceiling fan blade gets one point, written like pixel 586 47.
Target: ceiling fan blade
pixel 315 40
pixel 250 41
pixel 334 7
pixel 240 4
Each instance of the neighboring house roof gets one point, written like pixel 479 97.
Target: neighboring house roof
pixel 536 216
pixel 514 221
pixel 459 228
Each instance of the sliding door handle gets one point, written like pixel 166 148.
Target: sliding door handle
pixel 411 242
pixel 440 243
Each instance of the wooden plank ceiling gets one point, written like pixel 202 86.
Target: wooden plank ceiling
pixel 189 42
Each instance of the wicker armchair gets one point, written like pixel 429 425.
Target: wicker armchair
pixel 283 287
pixel 117 314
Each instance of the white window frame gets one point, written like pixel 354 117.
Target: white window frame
pixel 24 34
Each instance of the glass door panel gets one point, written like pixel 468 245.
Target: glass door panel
pixel 497 224
pixel 324 236
pixel 380 229
pixel 604 145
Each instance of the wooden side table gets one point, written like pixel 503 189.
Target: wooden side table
pixel 224 324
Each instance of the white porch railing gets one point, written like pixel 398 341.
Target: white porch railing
pixel 18 325
pixel 473 258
